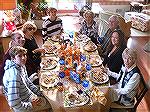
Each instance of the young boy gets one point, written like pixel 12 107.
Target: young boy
pixel 22 95
pixel 52 25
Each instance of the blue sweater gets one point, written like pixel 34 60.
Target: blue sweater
pixel 18 88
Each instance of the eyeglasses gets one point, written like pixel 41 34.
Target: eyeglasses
pixel 31 28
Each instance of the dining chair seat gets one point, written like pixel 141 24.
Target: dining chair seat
pixel 142 89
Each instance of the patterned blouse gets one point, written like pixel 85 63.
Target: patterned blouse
pixel 90 31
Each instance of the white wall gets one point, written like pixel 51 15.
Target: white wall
pixel 116 8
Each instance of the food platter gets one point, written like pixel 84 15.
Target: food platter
pixel 49 79
pixel 95 60
pixel 55 38
pixel 90 47
pixel 49 48
pixel 83 38
pixel 99 77
pixel 48 63
pixel 75 99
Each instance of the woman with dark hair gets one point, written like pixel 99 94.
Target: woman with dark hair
pixel 113 58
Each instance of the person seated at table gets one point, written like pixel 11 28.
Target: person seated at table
pixel 22 95
pixel 17 39
pixel 104 40
pixel 52 25
pixel 113 58
pixel 89 27
pixel 129 78
pixel 34 52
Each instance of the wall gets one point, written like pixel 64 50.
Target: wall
pixel 116 8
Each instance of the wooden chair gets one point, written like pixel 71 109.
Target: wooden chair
pixel 142 89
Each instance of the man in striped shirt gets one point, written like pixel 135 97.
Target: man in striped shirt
pixel 52 25
pixel 22 95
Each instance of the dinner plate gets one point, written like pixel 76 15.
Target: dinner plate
pixel 74 99
pixel 95 60
pixel 90 47
pixel 49 80
pixel 48 63
pixel 99 77
pixel 55 38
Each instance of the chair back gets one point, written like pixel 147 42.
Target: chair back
pixel 142 89
pixel 103 27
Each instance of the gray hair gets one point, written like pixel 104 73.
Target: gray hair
pixel 13 35
pixel 129 52
pixel 115 18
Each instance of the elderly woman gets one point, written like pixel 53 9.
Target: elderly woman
pixel 129 79
pixel 33 52
pixel 113 58
pixel 89 27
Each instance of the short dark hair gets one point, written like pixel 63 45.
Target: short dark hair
pixel 17 50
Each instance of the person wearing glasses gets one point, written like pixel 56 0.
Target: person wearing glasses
pixel 104 40
pixel 17 39
pixel 34 52
pixel 52 25
pixel 113 58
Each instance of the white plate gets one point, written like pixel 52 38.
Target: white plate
pixel 90 46
pixel 83 99
pixel 48 63
pixel 49 79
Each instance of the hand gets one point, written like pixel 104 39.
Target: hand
pixel 41 50
pixel 36 101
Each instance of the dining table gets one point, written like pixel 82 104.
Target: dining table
pixel 71 91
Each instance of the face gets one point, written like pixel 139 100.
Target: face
pixel 112 23
pixel 88 17
pixel 20 59
pixel 53 13
pixel 115 39
pixel 128 61
pixel 19 40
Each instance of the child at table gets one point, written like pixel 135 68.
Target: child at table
pixel 22 95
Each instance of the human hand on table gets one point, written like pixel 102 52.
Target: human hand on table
pixel 36 101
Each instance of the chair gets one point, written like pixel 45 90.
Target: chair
pixel 142 89
pixel 103 26
pixel 124 25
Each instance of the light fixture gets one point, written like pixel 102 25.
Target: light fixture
pixel 8 4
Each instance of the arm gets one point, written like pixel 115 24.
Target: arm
pixel 131 85
pixel 44 30
pixel 33 88
pixel 13 91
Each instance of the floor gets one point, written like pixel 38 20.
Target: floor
pixel 137 41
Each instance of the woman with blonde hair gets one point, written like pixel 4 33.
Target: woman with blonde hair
pixel 34 52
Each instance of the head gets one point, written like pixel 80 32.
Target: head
pixel 117 38
pixel 18 55
pixel 113 22
pixel 17 38
pixel 52 12
pixel 29 27
pixel 129 57
pixel 88 16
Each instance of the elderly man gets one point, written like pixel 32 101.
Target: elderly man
pixel 17 39
pixel 113 25
pixel 128 79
